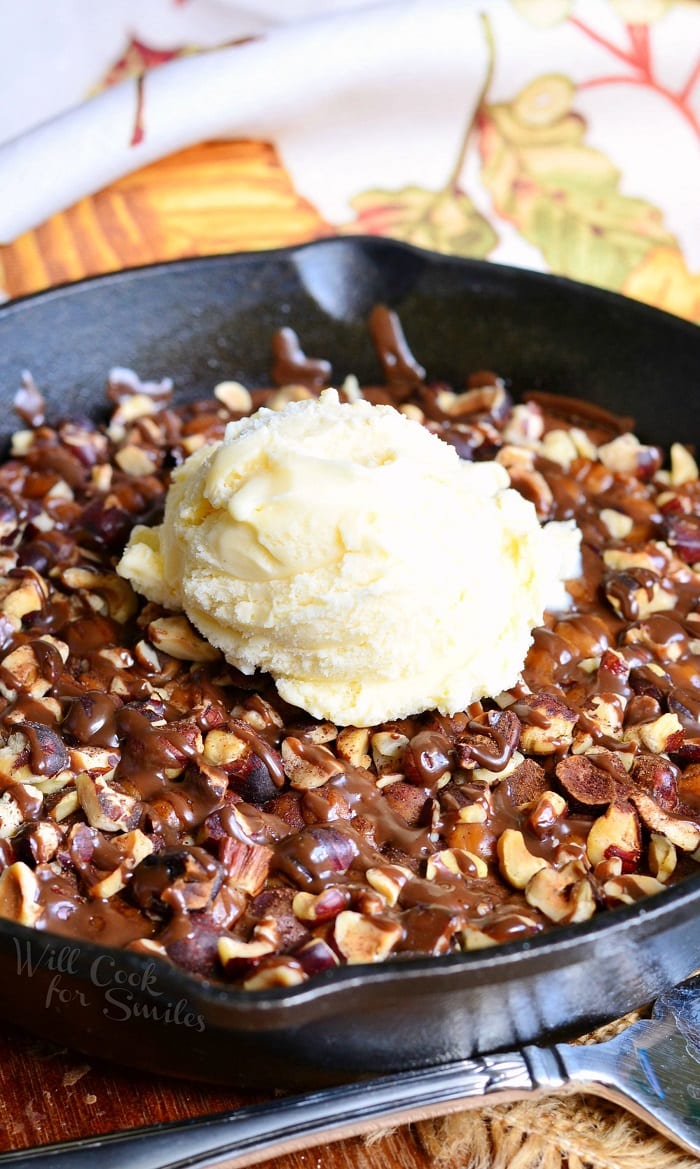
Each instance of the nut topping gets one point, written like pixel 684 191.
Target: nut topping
pixel 145 782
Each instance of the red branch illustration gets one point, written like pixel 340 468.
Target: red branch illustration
pixel 639 59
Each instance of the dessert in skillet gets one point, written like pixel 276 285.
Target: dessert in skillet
pixel 320 728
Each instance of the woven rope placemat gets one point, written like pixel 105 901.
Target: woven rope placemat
pixel 576 1131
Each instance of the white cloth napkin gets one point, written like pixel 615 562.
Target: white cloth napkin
pixel 554 134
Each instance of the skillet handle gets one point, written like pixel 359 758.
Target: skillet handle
pixel 248 1135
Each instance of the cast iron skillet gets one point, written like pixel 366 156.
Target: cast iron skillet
pixel 204 320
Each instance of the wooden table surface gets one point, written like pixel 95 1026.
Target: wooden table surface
pixel 218 197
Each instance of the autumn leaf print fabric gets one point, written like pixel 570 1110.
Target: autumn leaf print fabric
pixel 561 135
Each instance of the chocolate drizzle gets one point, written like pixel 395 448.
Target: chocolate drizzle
pixel 182 839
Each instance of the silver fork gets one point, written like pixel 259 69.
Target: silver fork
pixel 652 1069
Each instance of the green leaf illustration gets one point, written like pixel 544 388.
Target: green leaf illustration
pixel 445 221
pixel 562 195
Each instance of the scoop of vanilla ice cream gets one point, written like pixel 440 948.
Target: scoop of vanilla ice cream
pixel 351 554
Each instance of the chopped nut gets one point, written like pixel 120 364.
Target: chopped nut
pixel 662 857
pixel 685 834
pixel 19 894
pixel 562 895
pixel 364 939
pixel 558 446
pixel 626 890
pixel 247 865
pixel 105 807
pixel 285 972
pixel 475 939
pixel 11 817
pixel 233 950
pixel 234 397
pixel 223 747
pixel 282 397
pixel 662 735
pixel 133 847
pixel 517 863
pixel 558 729
pixel 389 880
pixel 175 636
pixel 387 750
pixel 305 772
pixel 684 468
pixel 310 907
pixel 353 744
pixel 626 455
pixel 458 861
pixel 615 834
pixel 66 806
pixel 549 808
pixel 119 596
pixel 618 524
pixel 136 460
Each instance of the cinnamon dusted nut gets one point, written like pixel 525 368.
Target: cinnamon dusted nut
pixel 320 733
pixel 105 807
pixel 19 894
pixel 518 865
pixel 658 778
pixel 616 834
pixel 353 745
pixel 176 637
pixel 526 783
pixel 563 895
pixel 306 765
pixel 587 783
pixel 685 834
pixel 363 939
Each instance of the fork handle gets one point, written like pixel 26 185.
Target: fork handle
pixel 248 1135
